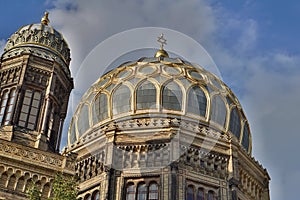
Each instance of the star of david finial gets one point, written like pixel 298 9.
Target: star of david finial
pixel 162 41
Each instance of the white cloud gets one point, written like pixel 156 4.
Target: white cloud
pixel 248 36
pixel 86 24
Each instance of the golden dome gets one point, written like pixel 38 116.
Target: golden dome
pixel 40 38
pixel 161 53
pixel 165 88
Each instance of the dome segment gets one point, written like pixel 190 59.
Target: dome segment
pixel 40 36
pixel 160 87
pixel 161 53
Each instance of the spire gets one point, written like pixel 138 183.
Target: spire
pixel 161 52
pixel 45 20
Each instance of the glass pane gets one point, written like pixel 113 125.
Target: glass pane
pixel 130 192
pixel 8 115
pixel 100 108
pixel 4 101
pixel 146 96
pixel 37 95
pixel 83 119
pixel 23 117
pixel 33 111
pixel 25 108
pixel 210 195
pixel 235 123
pixel 10 107
pixel 96 196
pixel 153 192
pixel 28 94
pixel 190 193
pixel 50 123
pixel 195 75
pixel 147 69
pixel 22 123
pixel 121 100
pixel 197 101
pixel 7 118
pixel 2 110
pixel 218 110
pixel 32 119
pixel 26 101
pixel 123 74
pixel 88 197
pixel 216 83
pixel 30 126
pixel 172 96
pixel 1 114
pixel 13 93
pixel 35 103
pixel 5 95
pixel 142 192
pixel 245 140
pixel 171 70
pixel 3 105
pixel 200 194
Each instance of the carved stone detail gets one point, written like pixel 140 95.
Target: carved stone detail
pixel 35 34
pixel 10 75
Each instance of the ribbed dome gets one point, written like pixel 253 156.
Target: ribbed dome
pixel 40 36
pixel 164 87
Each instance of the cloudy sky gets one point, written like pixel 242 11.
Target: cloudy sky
pixel 254 43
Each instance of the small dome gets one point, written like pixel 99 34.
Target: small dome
pixel 161 53
pixel 42 36
pixel 160 87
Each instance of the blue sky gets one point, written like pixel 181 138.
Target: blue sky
pixel 255 44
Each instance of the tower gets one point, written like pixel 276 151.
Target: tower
pixel 35 84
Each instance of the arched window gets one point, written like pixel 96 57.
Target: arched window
pixel 235 122
pixel 51 124
pixel 172 96
pixel 142 192
pixel 100 108
pixel 130 192
pixel 11 182
pixel 121 100
pixel 30 109
pixel 146 96
pixel 46 190
pixel 196 101
pixel 200 194
pixel 10 106
pixel 153 191
pixel 190 193
pixel 210 195
pixel 96 195
pixel 88 197
pixel 245 140
pixel 83 119
pixel 218 110
pixel 4 99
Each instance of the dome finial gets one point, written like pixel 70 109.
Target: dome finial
pixel 161 52
pixel 162 41
pixel 45 20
